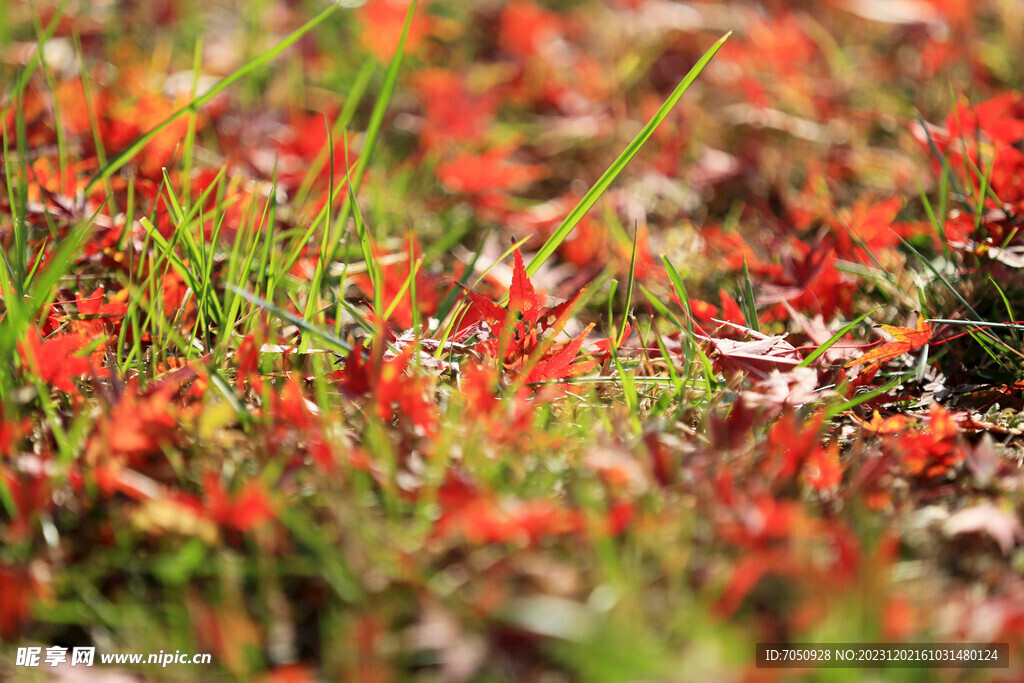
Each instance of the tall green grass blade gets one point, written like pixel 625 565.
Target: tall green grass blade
pixel 934 148
pixel 167 250
pixel 690 347
pixel 939 226
pixel 352 100
pixel 384 99
pixel 629 290
pixel 369 257
pixel 661 308
pixel 1006 304
pixel 413 272
pixel 674 378
pixel 58 117
pixel 977 324
pixel 188 149
pixel 374 127
pixel 602 184
pixel 629 394
pixel 94 127
pixel 684 298
pixel 613 287
pixel 17 192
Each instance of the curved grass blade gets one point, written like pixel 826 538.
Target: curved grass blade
pixel 615 169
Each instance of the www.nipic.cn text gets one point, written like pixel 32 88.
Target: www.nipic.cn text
pixel 86 656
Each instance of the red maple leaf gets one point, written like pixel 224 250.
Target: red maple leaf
pixel 56 360
pixel 480 517
pixel 453 113
pixel 791 442
pixel 97 318
pixel 522 298
pixel 559 364
pixel 523 322
pixel 141 422
pixel 932 452
pixel 397 387
pixel 488 176
pixel 867 227
pixel 731 310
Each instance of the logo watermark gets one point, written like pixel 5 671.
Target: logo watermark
pixel 86 656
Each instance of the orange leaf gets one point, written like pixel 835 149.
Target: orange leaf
pixel 907 339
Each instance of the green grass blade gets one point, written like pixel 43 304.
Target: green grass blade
pixel 660 307
pixel 684 299
pixel 832 341
pixel 36 59
pixel 940 228
pixel 62 261
pixel 749 308
pixel 374 127
pixel 978 324
pixel 688 348
pixel 934 148
pixel 615 169
pixel 942 278
pixel 369 257
pixel 321 264
pixel 293 319
pixel 838 408
pixel 629 290
pixel 166 249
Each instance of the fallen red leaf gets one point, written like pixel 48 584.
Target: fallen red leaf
pixel 55 361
